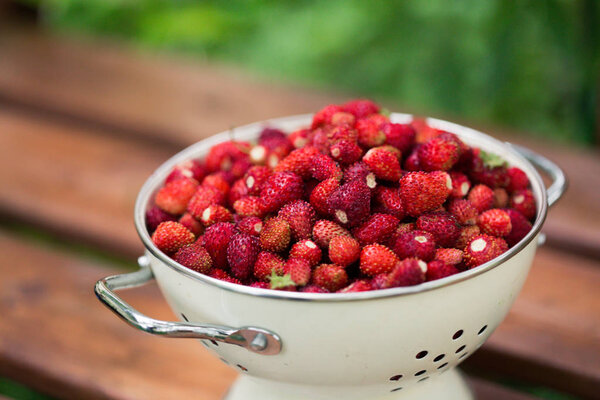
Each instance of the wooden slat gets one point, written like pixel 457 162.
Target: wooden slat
pixel 178 101
pixel 56 337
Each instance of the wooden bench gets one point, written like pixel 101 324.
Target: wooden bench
pixel 79 133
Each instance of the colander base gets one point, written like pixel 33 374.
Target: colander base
pixel 449 386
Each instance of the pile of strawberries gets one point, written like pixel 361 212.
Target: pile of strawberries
pixel 353 203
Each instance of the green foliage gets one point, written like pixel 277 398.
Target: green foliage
pixel 526 64
pixel 17 391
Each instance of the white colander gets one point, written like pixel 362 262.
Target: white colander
pixel 400 343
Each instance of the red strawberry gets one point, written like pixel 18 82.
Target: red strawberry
pixel 360 171
pixel 170 236
pixel 369 132
pixel 313 289
pixel 187 169
pixel 323 167
pixel 483 248
pixel 267 264
pixel 494 222
pixel 449 256
pixel 361 108
pixel 218 273
pixel 174 196
pixel 204 197
pixel 466 234
pixel 482 197
pixel 222 155
pixel 269 133
pixel 524 202
pixel 218 180
pixel 388 201
pixel 275 235
pixel 464 211
pixel 460 184
pixel 411 163
pixel 279 189
pixel 215 213
pixel 238 190
pixel 242 252
pixel 298 162
pixel 323 116
pixel 321 139
pixel 321 193
pixel 378 228
pixel 192 224
pixel 255 177
pixel 154 217
pixel 401 136
pixel 362 285
pixel 261 285
pixel 299 138
pixel 492 177
pixel 343 118
pixel 342 132
pixel 517 179
pixel 350 203
pixel 250 225
pixel 383 163
pixel 500 198
pixel 301 216
pixel 442 225
pixel 408 272
pixel 344 250
pixel 258 154
pixel 345 152
pixel 377 259
pixel 424 131
pixel 215 241
pixel 194 257
pixel 325 230
pixel 330 277
pixel 306 250
pixel 439 153
pixel 419 244
pixel 520 227
pixel 299 270
pixel 421 191
pixel 239 168
pixel 438 269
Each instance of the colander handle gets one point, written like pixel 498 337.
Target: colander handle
pixel 254 339
pixel 556 174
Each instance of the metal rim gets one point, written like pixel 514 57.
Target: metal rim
pixel 158 176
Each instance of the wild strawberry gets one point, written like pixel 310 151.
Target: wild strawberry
pixel 493 177
pixel 377 259
pixel 524 202
pixel 220 274
pixel 249 206
pixel 438 269
pixel 361 285
pixel 174 196
pixel 321 193
pixel 325 230
pixel 275 235
pixel 424 131
pixel 261 285
pixel 299 270
pixel 361 108
pixel 483 248
pixel 422 191
pixel 202 198
pixel 419 244
pixel 170 236
pixel 442 225
pixel 194 257
pixel 215 241
pixel 411 163
pixel 378 228
pixel 298 162
pixel 215 213
pixel 321 140
pixel 313 289
pixel 520 227
pixel 517 179
pixel 218 181
pixel 299 138
pixel 242 252
pixel 222 155
pixel 466 234
pixel 258 154
pixel 500 198
pixel 237 191
pixel 388 201
pixel 192 224
pixel 343 118
pixel 464 211
pixel 494 222
pixel 255 177
pixel 279 189
pixel 345 152
pixel 187 169
pixel 449 256
pixel 408 272
pixel 330 277
pixel 154 217
pixel 369 132
pixel 266 264
pixel 438 153
pixel 350 203
pixel 239 168
pixel 344 250
pixel 360 171
pixel 301 216
pixel 306 250
pixel 323 116
pixel 250 225
pixel 482 197
pixel 401 136
pixel 342 132
pixel 383 163
pixel 323 167
pixel 460 184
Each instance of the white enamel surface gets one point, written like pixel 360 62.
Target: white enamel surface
pixel 351 349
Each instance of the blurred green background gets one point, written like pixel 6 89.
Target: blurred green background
pixel 527 65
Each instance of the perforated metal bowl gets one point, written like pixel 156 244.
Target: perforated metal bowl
pixel 400 343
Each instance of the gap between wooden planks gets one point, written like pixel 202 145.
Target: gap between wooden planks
pixel 57 338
